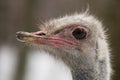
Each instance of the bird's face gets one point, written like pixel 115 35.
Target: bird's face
pixel 72 35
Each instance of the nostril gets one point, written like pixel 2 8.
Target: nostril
pixel 41 34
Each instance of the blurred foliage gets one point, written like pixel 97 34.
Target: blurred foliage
pixel 17 15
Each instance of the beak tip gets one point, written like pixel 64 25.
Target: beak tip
pixel 19 36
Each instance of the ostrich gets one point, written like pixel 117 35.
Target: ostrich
pixel 78 40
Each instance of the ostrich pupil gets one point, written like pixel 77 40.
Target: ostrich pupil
pixel 79 33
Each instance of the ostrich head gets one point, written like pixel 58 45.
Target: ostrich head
pixel 77 40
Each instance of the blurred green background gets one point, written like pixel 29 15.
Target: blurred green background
pixel 26 15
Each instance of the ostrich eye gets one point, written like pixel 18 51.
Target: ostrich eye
pixel 79 33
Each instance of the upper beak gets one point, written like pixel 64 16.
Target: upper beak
pixel 41 38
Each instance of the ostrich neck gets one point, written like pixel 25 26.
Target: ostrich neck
pixel 82 75
pixel 88 69
pixel 99 72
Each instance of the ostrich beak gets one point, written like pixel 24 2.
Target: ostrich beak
pixel 40 38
